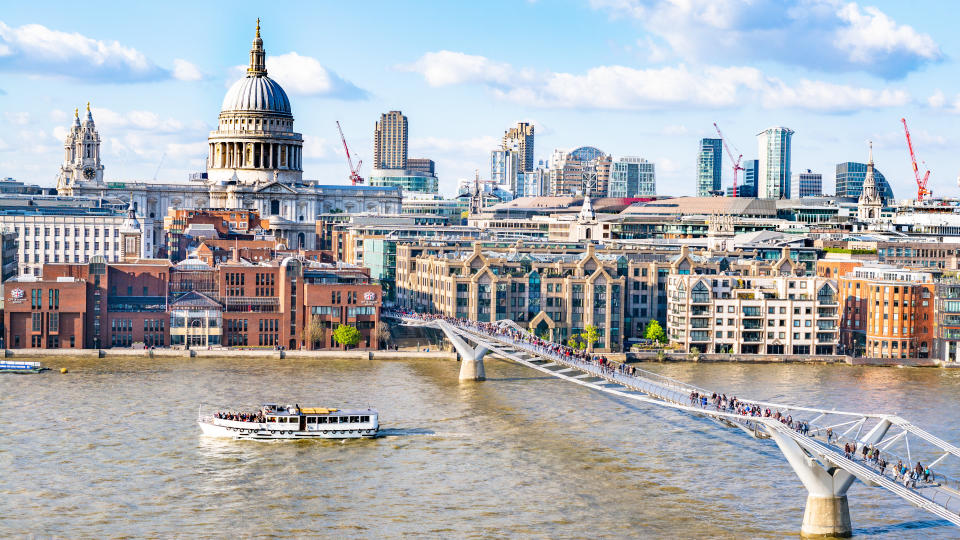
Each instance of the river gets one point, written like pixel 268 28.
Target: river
pixel 111 449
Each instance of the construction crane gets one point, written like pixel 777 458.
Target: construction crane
pixel 922 190
pixel 355 177
pixel 736 162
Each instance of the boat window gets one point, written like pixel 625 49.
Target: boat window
pixel 364 418
pixel 354 419
pixel 311 419
pixel 271 419
pixel 342 419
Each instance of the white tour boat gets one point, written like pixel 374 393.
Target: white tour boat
pixel 272 422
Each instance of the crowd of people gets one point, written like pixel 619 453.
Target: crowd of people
pixel 720 402
pixel 240 416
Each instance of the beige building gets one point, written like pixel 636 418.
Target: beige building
pixel 390 141
pixel 778 314
pixel 446 277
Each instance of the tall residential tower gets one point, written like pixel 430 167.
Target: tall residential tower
pixel 773 178
pixel 520 139
pixel 709 163
pixel 390 141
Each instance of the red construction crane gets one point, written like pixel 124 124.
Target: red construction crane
pixel 921 182
pixel 736 162
pixel 355 177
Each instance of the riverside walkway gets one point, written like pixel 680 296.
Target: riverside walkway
pixel 828 449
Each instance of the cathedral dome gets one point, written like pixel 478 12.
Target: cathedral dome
pixel 257 93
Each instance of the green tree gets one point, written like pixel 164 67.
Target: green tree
pixel 346 335
pixel 590 335
pixel 655 332
pixel 694 354
pixel 572 341
pixel 315 332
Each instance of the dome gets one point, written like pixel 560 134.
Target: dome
pixel 256 93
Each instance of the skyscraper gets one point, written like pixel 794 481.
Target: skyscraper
pixel 504 168
pixel 806 184
pixel 773 180
pixel 520 139
pixel 747 186
pixel 709 163
pixel 390 141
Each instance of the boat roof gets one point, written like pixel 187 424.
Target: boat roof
pixel 283 409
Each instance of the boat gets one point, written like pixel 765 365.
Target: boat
pixel 17 366
pixel 291 422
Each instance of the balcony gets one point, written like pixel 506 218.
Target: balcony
pixel 752 337
pixel 752 311
pixel 826 325
pixel 752 325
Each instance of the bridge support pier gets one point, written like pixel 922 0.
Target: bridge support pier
pixel 471 369
pixel 471 359
pixel 826 517
pixel 827 514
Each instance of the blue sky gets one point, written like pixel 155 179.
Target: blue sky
pixel 631 77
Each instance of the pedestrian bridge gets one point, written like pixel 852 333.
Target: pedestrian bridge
pixel 814 441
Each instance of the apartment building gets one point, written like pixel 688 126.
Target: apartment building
pixel 783 314
pixel 887 312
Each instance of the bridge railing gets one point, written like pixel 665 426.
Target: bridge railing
pixel 819 421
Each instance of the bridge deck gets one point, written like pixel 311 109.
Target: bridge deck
pixel 940 496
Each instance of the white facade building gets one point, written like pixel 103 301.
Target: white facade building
pixel 632 177
pixel 753 314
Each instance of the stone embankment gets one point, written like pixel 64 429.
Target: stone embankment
pixel 231 353
pixel 779 359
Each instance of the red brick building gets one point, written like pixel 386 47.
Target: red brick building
pixel 152 302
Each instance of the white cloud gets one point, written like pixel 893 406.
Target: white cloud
pixel 58 115
pixel 36 49
pixel 306 76
pixel 17 118
pixel 186 71
pixel 109 120
pixel 937 100
pixel 471 147
pixel 678 129
pixel 444 68
pixel 320 148
pixel 828 97
pixel 626 88
pixel 825 35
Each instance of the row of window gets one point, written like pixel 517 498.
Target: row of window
pixel 70 231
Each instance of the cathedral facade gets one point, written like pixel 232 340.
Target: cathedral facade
pixel 255 161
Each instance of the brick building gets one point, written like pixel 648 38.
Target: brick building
pixel 151 302
pixel 887 312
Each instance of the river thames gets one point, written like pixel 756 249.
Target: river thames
pixel 112 449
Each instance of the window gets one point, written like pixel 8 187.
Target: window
pixel 37 320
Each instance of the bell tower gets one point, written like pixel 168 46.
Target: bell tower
pixel 81 154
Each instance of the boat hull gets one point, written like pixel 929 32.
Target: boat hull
pixel 261 434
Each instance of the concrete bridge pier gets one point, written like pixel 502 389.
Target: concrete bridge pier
pixel 471 359
pixel 827 513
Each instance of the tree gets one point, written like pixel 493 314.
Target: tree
pixel 655 332
pixel 590 335
pixel 346 335
pixel 315 332
pixel 572 341
pixel 694 354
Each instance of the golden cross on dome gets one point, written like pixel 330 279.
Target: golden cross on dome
pixel 258 26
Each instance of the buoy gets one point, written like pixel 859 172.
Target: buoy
pixel 63 370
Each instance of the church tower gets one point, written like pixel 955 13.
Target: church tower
pixel 81 153
pixel 870 203
pixel 131 236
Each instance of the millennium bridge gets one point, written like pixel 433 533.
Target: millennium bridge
pixel 814 441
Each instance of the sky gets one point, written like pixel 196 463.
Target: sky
pixel 643 78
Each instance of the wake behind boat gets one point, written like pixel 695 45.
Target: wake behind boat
pixel 16 366
pixel 274 422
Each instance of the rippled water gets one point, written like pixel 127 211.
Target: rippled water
pixel 112 450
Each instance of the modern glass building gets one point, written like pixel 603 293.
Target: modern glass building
pixel 747 180
pixel 806 184
pixel 774 146
pixel 504 168
pixel 709 163
pixel 408 180
pixel 850 176
pixel 632 177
